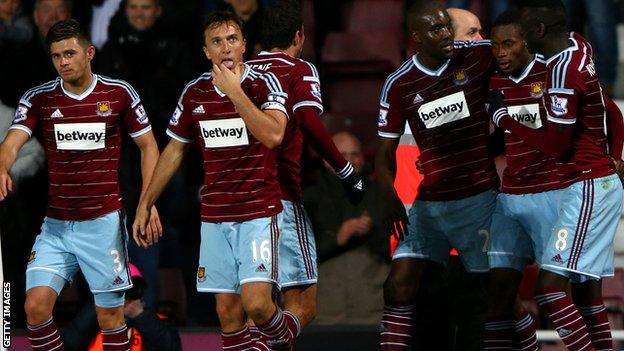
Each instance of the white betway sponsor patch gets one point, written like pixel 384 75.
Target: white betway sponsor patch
pixel 444 110
pixel 526 114
pixel 224 132
pixel 80 136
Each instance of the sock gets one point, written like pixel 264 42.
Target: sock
pixel 276 330
pixel 45 336
pixel 294 326
pixel 499 333
pixel 597 321
pixel 525 338
pixel 254 333
pixel 236 341
pixel 396 328
pixel 116 339
pixel 558 307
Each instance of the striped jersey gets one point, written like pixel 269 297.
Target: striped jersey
pixel 528 170
pixel 240 173
pixel 573 96
pixel 445 112
pixel 82 139
pixel 301 81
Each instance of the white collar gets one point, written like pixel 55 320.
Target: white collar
pixel 84 93
pixel 426 70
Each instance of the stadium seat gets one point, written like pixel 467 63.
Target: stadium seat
pixel 173 294
pixel 361 53
pixel 375 16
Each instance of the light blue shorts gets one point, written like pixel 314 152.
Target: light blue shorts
pixel 521 227
pixel 437 226
pixel 297 248
pixel 581 243
pixel 97 247
pixel 235 253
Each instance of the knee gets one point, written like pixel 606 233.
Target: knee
pixel 259 310
pixel 37 311
pixel 230 314
pixel 399 291
pixel 110 318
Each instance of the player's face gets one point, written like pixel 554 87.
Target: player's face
pixel 434 33
pixel 509 48
pixel 71 60
pixel 531 29
pixel 469 29
pixel 142 14
pixel 48 12
pixel 224 43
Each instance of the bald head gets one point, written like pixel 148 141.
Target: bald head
pixel 465 24
pixel 350 148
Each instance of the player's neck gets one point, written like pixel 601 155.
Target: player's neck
pixel 555 45
pixel 430 62
pixel 80 85
pixel 290 51
pixel 523 66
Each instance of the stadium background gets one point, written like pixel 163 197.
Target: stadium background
pixel 355 44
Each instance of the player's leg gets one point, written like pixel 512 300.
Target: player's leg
pixel 587 297
pixel 49 268
pixel 255 244
pixel 298 270
pixel 466 225
pixel 580 246
pixel 217 273
pixel 100 246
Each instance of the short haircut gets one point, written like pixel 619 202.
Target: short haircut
pixel 279 24
pixel 550 12
pixel 68 3
pixel 509 17
pixel 416 10
pixel 68 29
pixel 217 18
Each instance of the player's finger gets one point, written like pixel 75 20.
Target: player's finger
pixel 159 227
pixel 215 68
pixel 154 230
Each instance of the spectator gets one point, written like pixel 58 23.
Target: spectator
pixel 30 64
pixel 495 7
pixel 352 250
pixel 148 330
pixel 601 20
pixel 465 24
pixel 15 28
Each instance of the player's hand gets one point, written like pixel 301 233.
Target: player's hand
pixel 395 219
pixel 153 229
pixel 420 167
pixel 6 184
pixel 354 187
pixel 133 308
pixel 619 168
pixel 228 81
pixel 140 225
pixel 495 106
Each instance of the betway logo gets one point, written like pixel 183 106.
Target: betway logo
pixel 224 132
pixel 444 110
pixel 80 136
pixel 528 115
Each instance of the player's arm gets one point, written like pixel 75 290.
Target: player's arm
pixel 554 139
pixel 615 128
pixel 319 138
pixel 385 168
pixel 9 149
pixel 149 156
pixel 267 126
pixel 168 164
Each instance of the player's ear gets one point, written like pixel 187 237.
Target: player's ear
pixel 90 52
pixel 540 31
pixel 415 37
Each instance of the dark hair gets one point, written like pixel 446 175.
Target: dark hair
pixel 217 18
pixel 65 30
pixel 280 22
pixel 509 17
pixel 549 12
pixel 416 10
